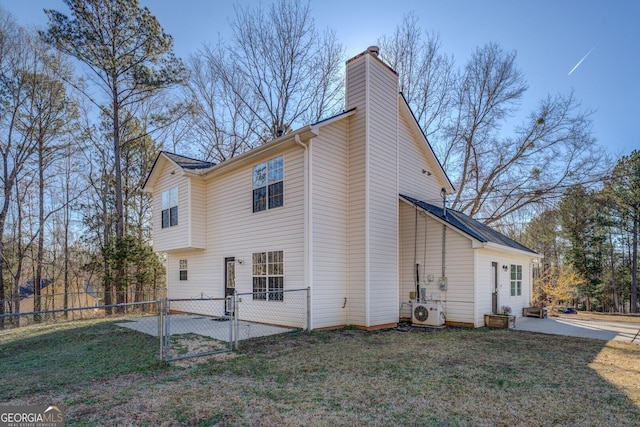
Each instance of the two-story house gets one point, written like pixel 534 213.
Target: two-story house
pixel 351 207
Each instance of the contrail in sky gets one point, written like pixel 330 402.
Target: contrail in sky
pixel 580 62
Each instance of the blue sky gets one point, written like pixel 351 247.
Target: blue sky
pixel 549 36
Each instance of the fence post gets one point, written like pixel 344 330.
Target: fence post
pixel 230 308
pixel 160 328
pixel 308 308
pixel 235 320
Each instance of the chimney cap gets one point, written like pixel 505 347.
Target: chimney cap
pixel 374 50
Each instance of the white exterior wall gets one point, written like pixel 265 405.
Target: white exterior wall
pixel 383 194
pixel 373 189
pixel 329 193
pixel 413 159
pixel 178 237
pixel 484 286
pixel 356 230
pixel 197 213
pixel 233 230
pixel 459 297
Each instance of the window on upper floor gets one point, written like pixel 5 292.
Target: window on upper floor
pixel 268 275
pixel 516 280
pixel 170 207
pixel 268 184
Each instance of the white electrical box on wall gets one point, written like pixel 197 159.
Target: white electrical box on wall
pixel 442 284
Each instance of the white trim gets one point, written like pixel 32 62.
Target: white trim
pixel 367 208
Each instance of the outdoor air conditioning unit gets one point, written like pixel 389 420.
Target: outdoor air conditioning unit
pixel 427 314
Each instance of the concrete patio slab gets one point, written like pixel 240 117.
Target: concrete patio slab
pixel 203 325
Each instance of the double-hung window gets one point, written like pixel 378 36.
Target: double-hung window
pixel 268 184
pixel 268 276
pixel 516 280
pixel 170 208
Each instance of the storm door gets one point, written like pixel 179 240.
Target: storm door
pixel 494 286
pixel 229 279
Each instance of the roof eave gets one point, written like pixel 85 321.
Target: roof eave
pixel 304 133
pixel 499 247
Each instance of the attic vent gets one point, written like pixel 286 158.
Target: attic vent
pixel 374 50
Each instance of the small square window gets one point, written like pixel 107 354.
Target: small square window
pixel 183 269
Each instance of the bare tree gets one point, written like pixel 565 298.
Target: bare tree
pixel 496 175
pixel 17 147
pixel 282 71
pixel 220 123
pixel 47 115
pixel 497 171
pixel 425 73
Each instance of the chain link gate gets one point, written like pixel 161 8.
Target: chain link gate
pixel 203 326
pixel 194 327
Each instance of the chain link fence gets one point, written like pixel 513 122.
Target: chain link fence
pixel 185 328
pixel 71 306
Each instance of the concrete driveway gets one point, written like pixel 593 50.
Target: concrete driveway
pixel 576 327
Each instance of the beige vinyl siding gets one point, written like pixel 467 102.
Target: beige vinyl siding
pixel 484 284
pixel 329 192
pixel 459 263
pixel 484 258
pixel 198 270
pixel 413 159
pixel 197 215
pixel 383 195
pixel 460 275
pixel 357 291
pixel 176 237
pixel 233 230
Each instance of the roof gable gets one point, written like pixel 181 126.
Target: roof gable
pixel 183 162
pixel 403 107
pixel 473 228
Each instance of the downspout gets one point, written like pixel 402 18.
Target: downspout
pixel 307 225
pixel 415 253
pixel 444 231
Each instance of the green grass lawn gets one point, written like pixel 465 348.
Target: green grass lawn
pixel 99 373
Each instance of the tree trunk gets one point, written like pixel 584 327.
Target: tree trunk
pixel 117 154
pixel 634 262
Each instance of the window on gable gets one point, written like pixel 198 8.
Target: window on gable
pixel 516 280
pixel 183 269
pixel 268 276
pixel 170 207
pixel 268 184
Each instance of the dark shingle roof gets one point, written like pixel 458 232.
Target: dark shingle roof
pixel 468 225
pixel 187 162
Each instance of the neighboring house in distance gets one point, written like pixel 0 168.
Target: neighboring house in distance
pixel 52 296
pixel 347 207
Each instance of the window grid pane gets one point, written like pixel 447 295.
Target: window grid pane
pixel 276 284
pixel 276 169
pixel 173 216
pixel 165 218
pixel 260 199
pixel 276 196
pixel 260 175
